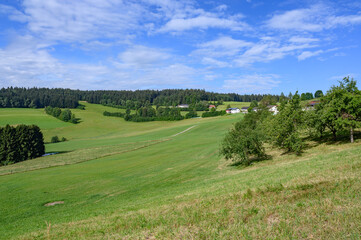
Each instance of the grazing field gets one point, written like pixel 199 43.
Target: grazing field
pixel 155 180
pixel 233 105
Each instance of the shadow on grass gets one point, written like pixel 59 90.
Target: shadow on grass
pixel 250 161
pixel 328 139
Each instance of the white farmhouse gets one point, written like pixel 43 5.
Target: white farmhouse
pixel 233 110
pixel 244 109
pixel 183 106
pixel 273 109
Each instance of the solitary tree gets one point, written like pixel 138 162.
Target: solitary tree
pixel 245 140
pixel 318 94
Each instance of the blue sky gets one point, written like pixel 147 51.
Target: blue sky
pixel 243 46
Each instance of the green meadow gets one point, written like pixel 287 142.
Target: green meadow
pixel 166 180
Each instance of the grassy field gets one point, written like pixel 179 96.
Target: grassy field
pixel 128 180
pixel 233 105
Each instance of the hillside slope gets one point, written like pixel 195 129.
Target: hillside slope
pixel 177 188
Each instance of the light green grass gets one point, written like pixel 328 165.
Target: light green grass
pixel 180 188
pixel 72 157
pixel 15 116
pixel 233 105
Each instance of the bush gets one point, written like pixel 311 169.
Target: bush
pixel 213 113
pixel 245 140
pixel 54 139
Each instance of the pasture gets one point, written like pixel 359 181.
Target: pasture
pixel 121 179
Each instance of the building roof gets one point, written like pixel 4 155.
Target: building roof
pixel 245 108
pixel 183 105
pixel 313 103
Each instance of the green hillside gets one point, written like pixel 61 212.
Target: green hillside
pixel 166 180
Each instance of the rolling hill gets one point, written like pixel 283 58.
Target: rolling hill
pixel 166 180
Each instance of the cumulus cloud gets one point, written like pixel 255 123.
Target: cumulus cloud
pixel 79 20
pixel 26 62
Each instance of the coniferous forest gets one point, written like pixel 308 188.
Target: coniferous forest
pixel 20 143
pixel 14 97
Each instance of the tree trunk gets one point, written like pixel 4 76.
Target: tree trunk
pixel 351 133
pixel 334 135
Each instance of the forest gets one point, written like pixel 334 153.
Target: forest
pixel 14 97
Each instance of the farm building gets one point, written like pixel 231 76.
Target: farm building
pixel 233 110
pixel 211 106
pixel 273 109
pixel 183 106
pixel 244 109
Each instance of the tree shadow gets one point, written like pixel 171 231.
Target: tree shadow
pixel 328 139
pixel 251 161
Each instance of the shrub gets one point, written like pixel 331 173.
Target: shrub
pixel 54 139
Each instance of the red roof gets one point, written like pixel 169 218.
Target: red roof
pixel 212 106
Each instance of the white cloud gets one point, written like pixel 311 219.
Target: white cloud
pixel 71 21
pixel 214 62
pixel 142 57
pixel 306 19
pixel 307 54
pixel 225 42
pixel 298 39
pixel 256 83
pixel 226 51
pixel 265 51
pixel 202 22
pixel 25 61
pixel 221 47
pixel 313 19
pixel 222 7
pixel 12 13
pixel 344 20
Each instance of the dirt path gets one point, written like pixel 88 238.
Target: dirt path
pixel 183 131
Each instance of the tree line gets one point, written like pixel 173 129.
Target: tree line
pixel 337 114
pixel 20 143
pixel 64 115
pixel 38 98
pixel 14 97
pixel 146 114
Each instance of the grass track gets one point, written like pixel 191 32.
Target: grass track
pixel 180 188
